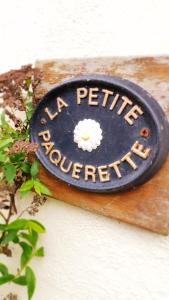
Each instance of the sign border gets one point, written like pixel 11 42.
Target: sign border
pixel 160 120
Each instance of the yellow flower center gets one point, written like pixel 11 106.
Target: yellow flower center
pixel 85 136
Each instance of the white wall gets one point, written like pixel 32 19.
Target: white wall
pixel 89 257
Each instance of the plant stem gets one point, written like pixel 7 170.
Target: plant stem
pixel 3 217
pixel 12 206
pixel 22 212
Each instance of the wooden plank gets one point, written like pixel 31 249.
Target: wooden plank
pixel 146 206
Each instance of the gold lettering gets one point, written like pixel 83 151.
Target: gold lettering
pixel 93 95
pixel 134 111
pixel 107 93
pixel 103 173
pixel 45 135
pixel 90 171
pixel 48 146
pixel 57 158
pixel 67 169
pixel 126 101
pixel 127 158
pixel 61 103
pixel 115 165
pixel 114 102
pixel 50 115
pixel 76 170
pixel 81 93
pixel 140 151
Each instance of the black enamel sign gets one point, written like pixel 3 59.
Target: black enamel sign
pixel 99 133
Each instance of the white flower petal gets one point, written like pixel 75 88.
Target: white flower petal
pixel 88 135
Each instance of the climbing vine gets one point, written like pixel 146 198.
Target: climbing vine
pixel 19 175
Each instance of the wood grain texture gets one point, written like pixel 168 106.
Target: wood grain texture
pixel 146 206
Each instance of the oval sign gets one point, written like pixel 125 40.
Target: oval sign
pixel 99 133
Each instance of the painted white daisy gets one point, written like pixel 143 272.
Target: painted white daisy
pixel 88 134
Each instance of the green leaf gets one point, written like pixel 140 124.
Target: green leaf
pixel 30 94
pixel 40 252
pixel 3 157
pixel 32 237
pixel 16 240
pixel 2 118
pixel 29 106
pixel 10 236
pixel 6 278
pixel 21 224
pixel 3 269
pixel 18 224
pixel 5 143
pixel 1 175
pixel 41 188
pixel 9 172
pixel 18 157
pixel 27 83
pixel 36 226
pixel 34 169
pixel 20 280
pixel 37 188
pixel 31 282
pixel 23 194
pixel 26 254
pixel 3 226
pixel 26 186
pixel 25 167
pixel 29 115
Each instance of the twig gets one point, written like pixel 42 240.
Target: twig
pixel 3 217
pixel 22 212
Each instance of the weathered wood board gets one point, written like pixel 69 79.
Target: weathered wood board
pixel 146 206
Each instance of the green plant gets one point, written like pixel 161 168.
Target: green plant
pixel 19 173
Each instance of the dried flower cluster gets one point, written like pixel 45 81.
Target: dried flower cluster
pixel 12 83
pixel 23 146
pixel 11 297
pixel 37 202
